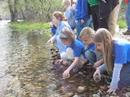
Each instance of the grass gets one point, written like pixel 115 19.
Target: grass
pixel 28 26
pixel 122 23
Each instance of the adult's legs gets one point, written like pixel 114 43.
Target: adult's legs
pixel 95 16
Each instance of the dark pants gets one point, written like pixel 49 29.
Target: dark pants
pixel 104 13
pixel 103 22
pixel 95 16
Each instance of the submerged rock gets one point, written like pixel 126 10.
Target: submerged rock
pixel 75 96
pixel 81 89
pixel 127 94
pixel 69 94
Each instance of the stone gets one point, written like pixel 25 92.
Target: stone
pixel 75 96
pixel 69 94
pixel 96 95
pixel 127 94
pixel 81 89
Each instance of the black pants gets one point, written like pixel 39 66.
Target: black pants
pixel 95 16
pixel 104 13
pixel 103 22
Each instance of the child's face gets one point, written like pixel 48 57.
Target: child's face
pixel 85 39
pixel 66 42
pixel 99 46
pixel 55 20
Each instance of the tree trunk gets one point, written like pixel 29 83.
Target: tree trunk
pixel 13 10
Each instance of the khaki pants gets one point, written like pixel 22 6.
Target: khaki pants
pixel 112 23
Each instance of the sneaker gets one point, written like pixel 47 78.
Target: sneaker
pixel 127 32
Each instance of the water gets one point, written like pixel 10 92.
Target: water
pixel 26 69
pixel 24 63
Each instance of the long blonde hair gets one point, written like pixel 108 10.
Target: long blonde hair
pixel 104 36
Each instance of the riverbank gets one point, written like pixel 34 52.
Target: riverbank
pixel 29 26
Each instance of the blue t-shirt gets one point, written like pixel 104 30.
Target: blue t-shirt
pixel 121 51
pixel 77 47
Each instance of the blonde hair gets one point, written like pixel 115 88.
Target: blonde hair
pixel 104 36
pixel 87 31
pixel 59 15
pixel 67 33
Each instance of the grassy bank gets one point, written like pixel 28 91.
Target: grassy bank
pixel 28 26
pixel 122 23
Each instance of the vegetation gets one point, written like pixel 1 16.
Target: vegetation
pixel 33 10
pixel 122 23
pixel 29 26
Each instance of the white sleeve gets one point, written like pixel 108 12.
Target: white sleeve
pixel 116 75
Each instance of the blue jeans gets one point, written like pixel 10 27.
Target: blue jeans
pixel 128 16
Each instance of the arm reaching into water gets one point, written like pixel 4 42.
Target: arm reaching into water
pixel 66 73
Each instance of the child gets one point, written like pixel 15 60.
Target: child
pixel 90 53
pixel 58 21
pixel 69 13
pixel 116 55
pixel 128 18
pixel 75 49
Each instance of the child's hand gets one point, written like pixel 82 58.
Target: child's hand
pixel 97 75
pixel 112 90
pixel 66 74
pixel 51 40
pixel 96 64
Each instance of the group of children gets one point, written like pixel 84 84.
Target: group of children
pixel 91 47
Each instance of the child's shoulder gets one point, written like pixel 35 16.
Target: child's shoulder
pixel 78 43
pixel 121 44
pixel 121 41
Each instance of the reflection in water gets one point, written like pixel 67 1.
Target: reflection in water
pixel 4 40
pixel 24 68
pixel 28 59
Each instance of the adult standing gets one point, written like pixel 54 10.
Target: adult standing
pixel 128 18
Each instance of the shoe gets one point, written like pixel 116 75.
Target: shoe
pixel 127 32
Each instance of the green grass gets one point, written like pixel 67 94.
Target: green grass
pixel 122 23
pixel 28 26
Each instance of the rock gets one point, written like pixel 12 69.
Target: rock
pixel 127 94
pixel 69 94
pixel 52 86
pixel 81 89
pixel 75 96
pixel 96 95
